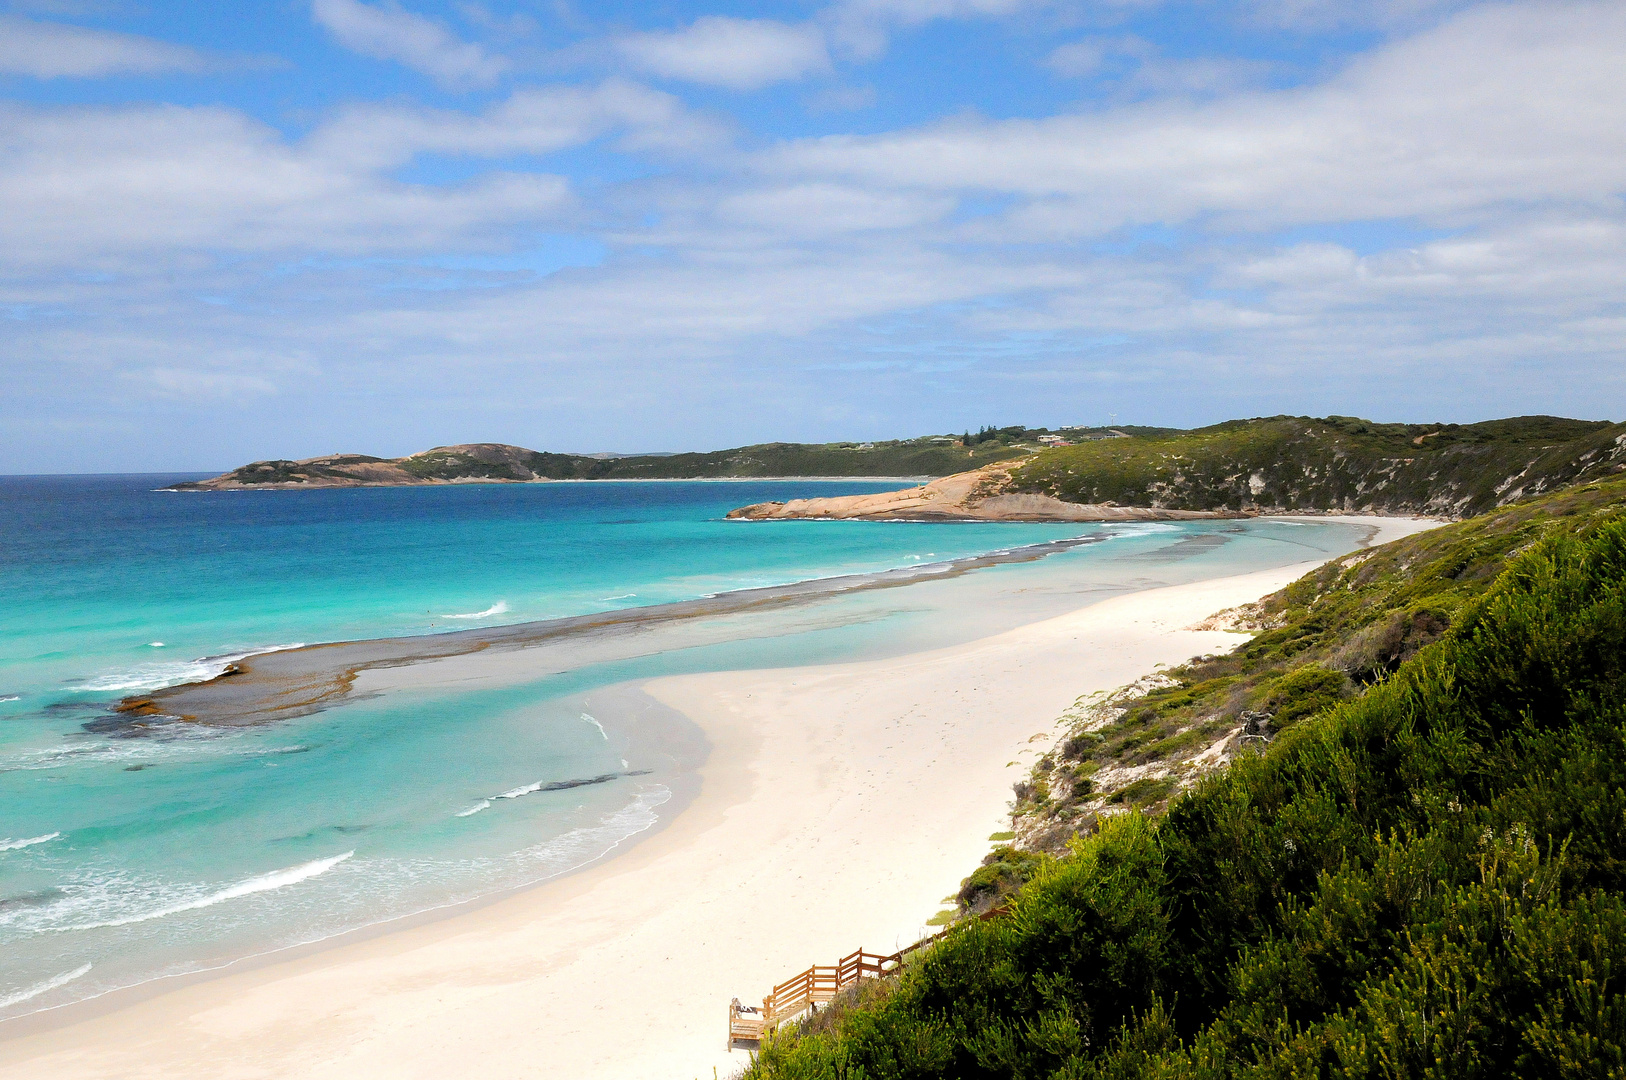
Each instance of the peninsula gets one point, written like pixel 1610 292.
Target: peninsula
pixel 501 463
pixel 1272 465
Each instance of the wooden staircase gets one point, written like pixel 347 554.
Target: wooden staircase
pixel 819 985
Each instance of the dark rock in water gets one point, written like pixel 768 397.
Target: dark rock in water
pixel 139 726
pixel 33 899
pixel 137 768
pixel 71 706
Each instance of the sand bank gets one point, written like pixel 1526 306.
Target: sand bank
pixel 837 805
pixel 286 683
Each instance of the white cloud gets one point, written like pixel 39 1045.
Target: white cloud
pixel 118 187
pixel 46 50
pixel 1138 67
pixel 1322 15
pixel 1502 105
pixel 825 209
pixel 531 121
pixel 190 383
pixel 389 33
pixel 1124 260
pixel 861 27
pixel 740 54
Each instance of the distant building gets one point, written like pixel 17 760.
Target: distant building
pixel 1054 440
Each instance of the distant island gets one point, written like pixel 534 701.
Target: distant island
pixel 500 463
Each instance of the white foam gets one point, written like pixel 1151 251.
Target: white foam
pixel 158 676
pixel 155 644
pixel 277 879
pixel 595 723
pixel 514 793
pixel 499 608
pixel 40 988
pixel 12 697
pixel 623 596
pixel 475 809
pixel 8 844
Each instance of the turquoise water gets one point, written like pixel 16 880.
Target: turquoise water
pixel 123 860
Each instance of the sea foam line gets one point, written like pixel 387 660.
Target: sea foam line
pixel 594 721
pixel 499 608
pixel 264 883
pixel 475 809
pixel 40 988
pixel 8 844
pixel 158 676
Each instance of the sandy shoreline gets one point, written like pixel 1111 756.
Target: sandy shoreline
pixel 836 806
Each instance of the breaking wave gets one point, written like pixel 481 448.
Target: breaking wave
pixel 8 844
pixel 158 676
pixel 499 608
pixel 277 879
pixel 40 988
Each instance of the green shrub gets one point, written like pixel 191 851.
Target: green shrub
pixel 1427 881
pixel 1303 692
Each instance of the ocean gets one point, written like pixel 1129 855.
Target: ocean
pixel 129 859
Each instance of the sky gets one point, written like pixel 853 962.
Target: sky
pixel 278 229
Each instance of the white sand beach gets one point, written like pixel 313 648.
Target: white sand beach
pixel 837 806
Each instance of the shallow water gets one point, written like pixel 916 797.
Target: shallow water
pixel 123 860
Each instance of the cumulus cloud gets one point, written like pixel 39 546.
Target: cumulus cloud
pixel 739 54
pixel 390 33
pixel 110 185
pixel 1175 260
pixel 45 50
pixel 1503 104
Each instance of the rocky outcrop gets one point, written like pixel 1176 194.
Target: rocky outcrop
pixel 980 495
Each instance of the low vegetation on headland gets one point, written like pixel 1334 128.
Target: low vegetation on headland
pixel 1413 864
pixel 1270 465
pixel 931 455
pixel 1279 464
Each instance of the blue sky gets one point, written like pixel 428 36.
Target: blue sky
pixel 279 229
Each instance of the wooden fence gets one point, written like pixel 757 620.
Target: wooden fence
pixel 819 985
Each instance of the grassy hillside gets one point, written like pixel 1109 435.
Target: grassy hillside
pixel 907 457
pixel 1322 640
pixel 1337 463
pixel 1422 872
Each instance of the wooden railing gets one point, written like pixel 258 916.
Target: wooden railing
pixel 819 985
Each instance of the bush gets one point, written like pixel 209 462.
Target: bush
pixel 1428 881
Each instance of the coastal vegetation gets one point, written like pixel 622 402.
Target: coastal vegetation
pixel 932 455
pixel 1335 463
pixel 1414 864
pixel 1267 465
